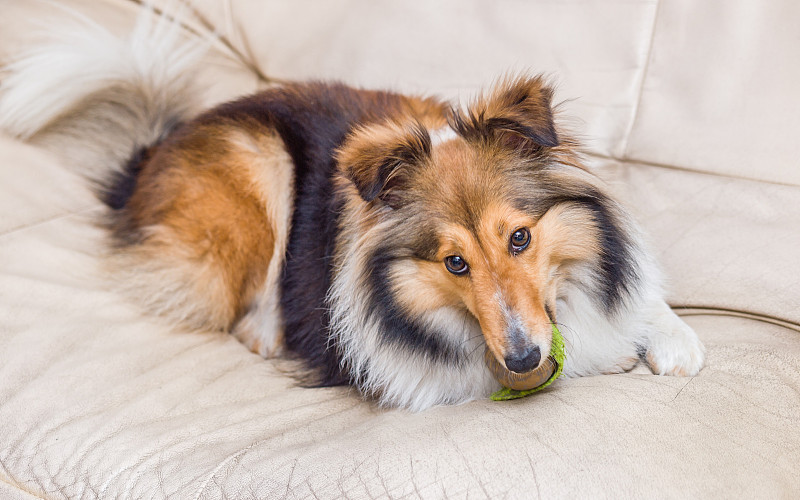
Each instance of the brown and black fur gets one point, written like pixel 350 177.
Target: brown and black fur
pixel 191 185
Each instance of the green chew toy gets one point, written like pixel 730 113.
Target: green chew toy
pixel 549 370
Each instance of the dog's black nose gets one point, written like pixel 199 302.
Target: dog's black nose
pixel 525 363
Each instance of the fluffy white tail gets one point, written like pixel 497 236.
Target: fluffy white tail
pixel 94 97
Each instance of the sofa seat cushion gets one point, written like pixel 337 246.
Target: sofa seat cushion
pixel 98 399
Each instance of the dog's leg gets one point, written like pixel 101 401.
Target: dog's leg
pixel 203 236
pixel 260 328
pixel 672 346
pixel 596 344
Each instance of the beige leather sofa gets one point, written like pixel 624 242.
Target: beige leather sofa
pixel 691 110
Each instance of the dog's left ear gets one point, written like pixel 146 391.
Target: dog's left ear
pixel 378 159
pixel 518 113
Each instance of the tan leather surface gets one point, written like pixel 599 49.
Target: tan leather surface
pixel 23 23
pixel 724 243
pixel 12 492
pixel 720 93
pixel 48 192
pixel 97 399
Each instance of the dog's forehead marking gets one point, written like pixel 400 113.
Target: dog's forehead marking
pixel 442 134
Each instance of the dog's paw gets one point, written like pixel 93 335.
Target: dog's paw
pixel 622 366
pixel 675 350
pixel 260 336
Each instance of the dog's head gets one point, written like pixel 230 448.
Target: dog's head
pixel 485 214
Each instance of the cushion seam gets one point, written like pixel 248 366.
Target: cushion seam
pixel 17 487
pixel 700 310
pixel 666 166
pixel 46 221
pixel 626 138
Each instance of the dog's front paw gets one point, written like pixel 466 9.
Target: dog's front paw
pixel 675 349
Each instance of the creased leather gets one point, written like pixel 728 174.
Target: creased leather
pixel 720 92
pixel 100 400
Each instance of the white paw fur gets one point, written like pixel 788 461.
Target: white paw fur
pixel 673 348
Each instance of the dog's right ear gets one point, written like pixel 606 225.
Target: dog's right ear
pixel 518 113
pixel 377 159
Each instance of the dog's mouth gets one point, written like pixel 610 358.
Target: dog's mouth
pixel 544 374
pixel 521 381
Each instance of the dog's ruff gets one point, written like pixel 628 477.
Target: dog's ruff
pixel 331 224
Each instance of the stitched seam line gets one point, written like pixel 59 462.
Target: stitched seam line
pixel 47 221
pixel 667 166
pixel 699 310
pixel 10 482
pixel 627 137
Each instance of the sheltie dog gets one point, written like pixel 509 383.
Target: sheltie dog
pixel 385 240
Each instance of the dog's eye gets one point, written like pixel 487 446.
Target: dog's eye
pixel 519 240
pixel 456 265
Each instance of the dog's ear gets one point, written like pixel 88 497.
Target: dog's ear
pixel 377 159
pixel 518 113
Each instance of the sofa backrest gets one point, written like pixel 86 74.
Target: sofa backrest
pixel 708 86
